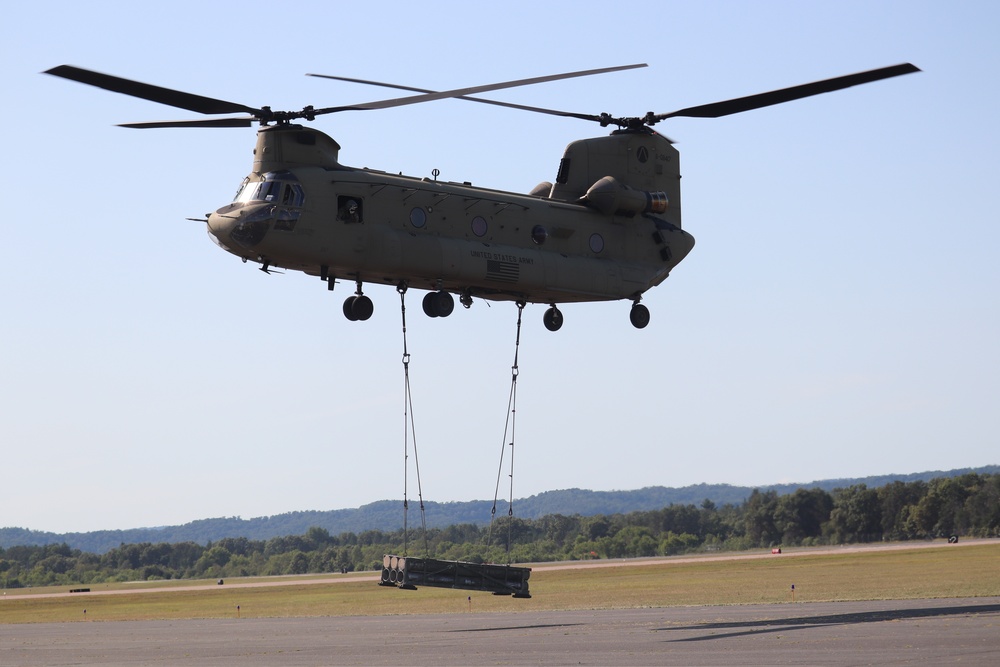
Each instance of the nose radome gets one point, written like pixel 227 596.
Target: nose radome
pixel 245 228
pixel 220 229
pixel 220 226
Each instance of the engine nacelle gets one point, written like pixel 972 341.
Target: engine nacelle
pixel 541 190
pixel 609 196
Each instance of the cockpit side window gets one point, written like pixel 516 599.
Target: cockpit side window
pixel 293 195
pixel 242 192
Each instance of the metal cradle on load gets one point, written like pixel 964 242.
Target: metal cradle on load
pixel 407 572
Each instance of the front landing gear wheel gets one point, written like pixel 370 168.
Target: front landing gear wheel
pixel 349 308
pixel 553 319
pixel 639 316
pixel 358 307
pixel 363 307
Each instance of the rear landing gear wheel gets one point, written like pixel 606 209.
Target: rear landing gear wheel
pixel 553 319
pixel 438 304
pixel 639 316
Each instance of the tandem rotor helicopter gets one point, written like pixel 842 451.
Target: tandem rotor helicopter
pixel 608 228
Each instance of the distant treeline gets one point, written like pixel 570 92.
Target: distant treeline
pixel 966 505
pixel 386 515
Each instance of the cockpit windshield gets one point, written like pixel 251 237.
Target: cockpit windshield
pixel 278 187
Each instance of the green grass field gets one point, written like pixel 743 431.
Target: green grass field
pixel 971 570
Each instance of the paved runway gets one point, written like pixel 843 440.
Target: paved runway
pixel 828 633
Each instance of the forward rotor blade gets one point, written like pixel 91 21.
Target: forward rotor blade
pixel 173 98
pixel 461 92
pixel 510 105
pixel 741 104
pixel 207 122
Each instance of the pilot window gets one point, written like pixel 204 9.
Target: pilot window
pixel 268 191
pixel 279 189
pixel 276 188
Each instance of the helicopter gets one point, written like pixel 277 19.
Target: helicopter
pixel 608 228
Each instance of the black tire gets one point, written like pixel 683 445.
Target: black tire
pixel 429 306
pixel 553 319
pixel 639 316
pixel 444 304
pixel 362 308
pixel 349 308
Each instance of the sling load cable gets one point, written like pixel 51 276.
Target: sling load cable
pixel 408 429
pixel 408 573
pixel 509 424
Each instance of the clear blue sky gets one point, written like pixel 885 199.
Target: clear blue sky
pixel 838 317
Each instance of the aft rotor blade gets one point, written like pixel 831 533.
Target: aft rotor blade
pixel 461 92
pixel 198 122
pixel 481 100
pixel 741 104
pixel 173 98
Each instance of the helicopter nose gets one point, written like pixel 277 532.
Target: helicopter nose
pixel 244 228
pixel 220 228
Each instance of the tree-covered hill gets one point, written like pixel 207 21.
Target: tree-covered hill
pixel 966 505
pixel 387 515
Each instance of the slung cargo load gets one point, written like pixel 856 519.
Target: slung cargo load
pixel 408 573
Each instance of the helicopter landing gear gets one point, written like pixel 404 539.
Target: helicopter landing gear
pixel 466 299
pixel 438 304
pixel 358 306
pixel 553 318
pixel 639 315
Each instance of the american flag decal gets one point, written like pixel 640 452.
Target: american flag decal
pixel 503 272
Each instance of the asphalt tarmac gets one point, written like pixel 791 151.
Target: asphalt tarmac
pixel 823 633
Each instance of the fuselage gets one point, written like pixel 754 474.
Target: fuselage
pixel 302 210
